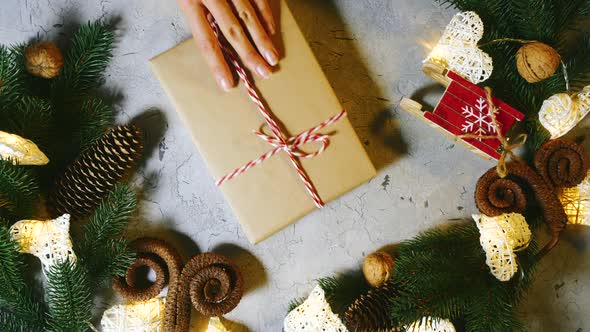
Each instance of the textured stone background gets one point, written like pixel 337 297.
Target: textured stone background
pixel 371 52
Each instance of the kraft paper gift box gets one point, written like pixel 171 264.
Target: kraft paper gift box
pixel 269 196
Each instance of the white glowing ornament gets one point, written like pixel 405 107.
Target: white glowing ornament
pixel 457 49
pixel 215 325
pixel 500 238
pixel 314 315
pixel 49 240
pixel 431 324
pixel 144 316
pixel 562 112
pixel 576 202
pixel 20 150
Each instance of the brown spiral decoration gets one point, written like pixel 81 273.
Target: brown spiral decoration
pixel 211 283
pixel 157 255
pixel 562 163
pixel 558 162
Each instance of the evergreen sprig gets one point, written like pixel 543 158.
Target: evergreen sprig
pixel 85 62
pixel 11 84
pixel 68 297
pixel 18 309
pixel 19 190
pixel 100 249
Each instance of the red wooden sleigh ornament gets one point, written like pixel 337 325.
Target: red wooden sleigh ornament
pixel 463 110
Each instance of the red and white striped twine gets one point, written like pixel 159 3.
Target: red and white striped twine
pixel 278 139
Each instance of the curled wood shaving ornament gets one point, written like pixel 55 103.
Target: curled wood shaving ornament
pixel 211 282
pixel 157 255
pixel 558 163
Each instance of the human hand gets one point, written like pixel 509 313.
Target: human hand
pixel 238 20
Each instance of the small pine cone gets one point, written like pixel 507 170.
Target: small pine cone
pixel 44 60
pixel 370 312
pixel 96 171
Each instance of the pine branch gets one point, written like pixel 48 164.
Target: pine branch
pixel 17 305
pixel 19 190
pixel 343 290
pixel 31 118
pixel 87 59
pixel 95 118
pixel 11 85
pixel 99 246
pixel 68 297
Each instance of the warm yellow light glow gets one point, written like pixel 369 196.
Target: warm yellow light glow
pixel 562 112
pixel 576 203
pixel 500 237
pixel 49 240
pixel 144 316
pixel 20 150
pixel 458 49
pixel 215 325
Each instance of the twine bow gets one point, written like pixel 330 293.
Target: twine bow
pixel 507 149
pixel 278 139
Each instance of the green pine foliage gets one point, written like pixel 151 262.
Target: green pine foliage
pixel 442 273
pixel 18 309
pixel 101 249
pixel 85 62
pixel 69 298
pixel 19 190
pixel 555 22
pixel 63 116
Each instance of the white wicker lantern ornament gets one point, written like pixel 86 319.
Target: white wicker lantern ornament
pixel 215 325
pixel 562 112
pixel 49 240
pixel 314 315
pixel 431 324
pixel 145 316
pixel 20 150
pixel 500 238
pixel 457 49
pixel 576 202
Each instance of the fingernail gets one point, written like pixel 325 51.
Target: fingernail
pixel 263 71
pixel 224 84
pixel 272 57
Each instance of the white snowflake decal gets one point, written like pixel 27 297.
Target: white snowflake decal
pixel 477 119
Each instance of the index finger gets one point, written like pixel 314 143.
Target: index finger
pixel 207 43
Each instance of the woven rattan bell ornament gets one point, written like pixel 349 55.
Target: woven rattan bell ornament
pixel 500 238
pixel 576 202
pixel 562 112
pixel 146 316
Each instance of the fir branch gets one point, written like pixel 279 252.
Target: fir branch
pixel 87 59
pixel 17 305
pixel 95 118
pixel 19 190
pixel 68 297
pixel 11 83
pixel 114 262
pixel 341 291
pixel 31 118
pixel 98 246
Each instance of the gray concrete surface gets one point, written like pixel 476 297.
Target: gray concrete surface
pixel 371 52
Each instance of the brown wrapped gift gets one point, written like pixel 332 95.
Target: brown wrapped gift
pixel 269 196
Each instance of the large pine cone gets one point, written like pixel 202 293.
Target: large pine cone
pixel 96 172
pixel 370 312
